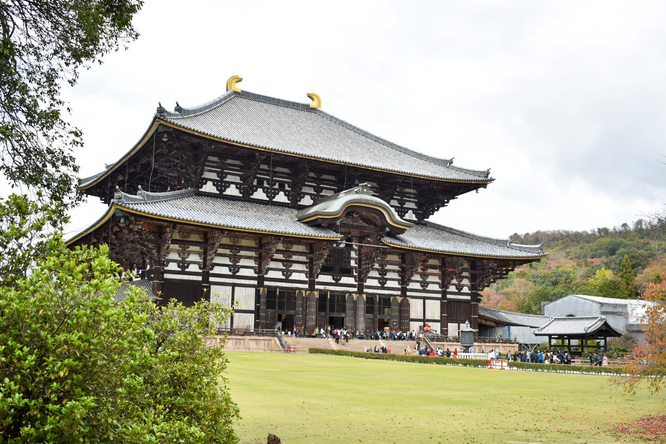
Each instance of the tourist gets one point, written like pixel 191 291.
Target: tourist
pixel 455 353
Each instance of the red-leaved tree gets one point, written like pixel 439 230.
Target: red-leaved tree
pixel 648 362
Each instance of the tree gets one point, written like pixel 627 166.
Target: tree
pixel 648 361
pixel 77 366
pixel 44 43
pixel 627 276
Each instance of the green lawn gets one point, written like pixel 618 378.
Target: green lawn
pixel 327 399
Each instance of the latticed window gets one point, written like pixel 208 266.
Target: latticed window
pixel 384 305
pixel 370 305
pixel 338 261
pixel 336 303
pixel 283 300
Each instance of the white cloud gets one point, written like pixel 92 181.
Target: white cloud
pixel 563 101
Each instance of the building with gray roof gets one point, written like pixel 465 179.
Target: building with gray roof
pixel 624 315
pixel 295 218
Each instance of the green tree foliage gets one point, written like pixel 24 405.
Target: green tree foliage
pixel 77 366
pixel 25 228
pixel 627 277
pixel 605 262
pixel 44 43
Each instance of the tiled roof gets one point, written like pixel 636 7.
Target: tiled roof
pixel 437 238
pixel 123 291
pixel 602 300
pixel 511 318
pixel 185 206
pixel 295 128
pixel 578 326
pixel 335 205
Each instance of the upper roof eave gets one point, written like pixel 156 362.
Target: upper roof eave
pixel 180 121
pixel 90 181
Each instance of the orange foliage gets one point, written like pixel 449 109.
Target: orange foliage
pixel 648 363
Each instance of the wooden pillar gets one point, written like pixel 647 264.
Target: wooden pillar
pixel 311 312
pixel 158 279
pixel 360 312
pixel 444 314
pixel 395 314
pixel 405 314
pixel 262 307
pixel 475 314
pixel 350 311
pixel 299 316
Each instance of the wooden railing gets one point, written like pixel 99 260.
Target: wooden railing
pixel 247 331
pixel 281 342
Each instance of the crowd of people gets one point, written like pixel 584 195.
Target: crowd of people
pixel 540 357
pixel 344 335
pixel 598 360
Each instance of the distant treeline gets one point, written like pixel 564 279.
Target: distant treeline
pixel 610 262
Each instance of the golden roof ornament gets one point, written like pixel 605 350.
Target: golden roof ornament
pixel 231 83
pixel 316 100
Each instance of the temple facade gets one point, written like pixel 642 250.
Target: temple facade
pixel 295 219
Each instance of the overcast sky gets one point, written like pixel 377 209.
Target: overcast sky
pixel 564 101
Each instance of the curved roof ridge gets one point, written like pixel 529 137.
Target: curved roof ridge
pixel 148 196
pixel 334 206
pixel 535 247
pixel 189 112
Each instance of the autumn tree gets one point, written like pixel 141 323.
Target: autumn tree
pixel 648 361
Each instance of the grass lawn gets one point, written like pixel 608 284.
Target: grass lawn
pixel 327 399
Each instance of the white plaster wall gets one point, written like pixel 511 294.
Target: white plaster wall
pixel 432 309
pixel 416 307
pixel 244 298
pixel 453 329
pixel 181 277
pixel 221 294
pixel 244 320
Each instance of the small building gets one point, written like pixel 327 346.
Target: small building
pixel 623 315
pixel 578 335
pixel 499 325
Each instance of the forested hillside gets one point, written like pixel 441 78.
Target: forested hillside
pixel 609 262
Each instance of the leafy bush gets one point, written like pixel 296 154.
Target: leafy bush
pixel 77 366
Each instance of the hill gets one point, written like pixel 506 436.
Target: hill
pixel 610 262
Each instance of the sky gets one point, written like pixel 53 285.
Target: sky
pixel 565 102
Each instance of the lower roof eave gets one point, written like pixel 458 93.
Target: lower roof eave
pixel 462 254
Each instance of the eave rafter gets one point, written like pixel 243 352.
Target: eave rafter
pixel 265 254
pixel 412 261
pixel 368 251
pixel 452 270
pixel 484 272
